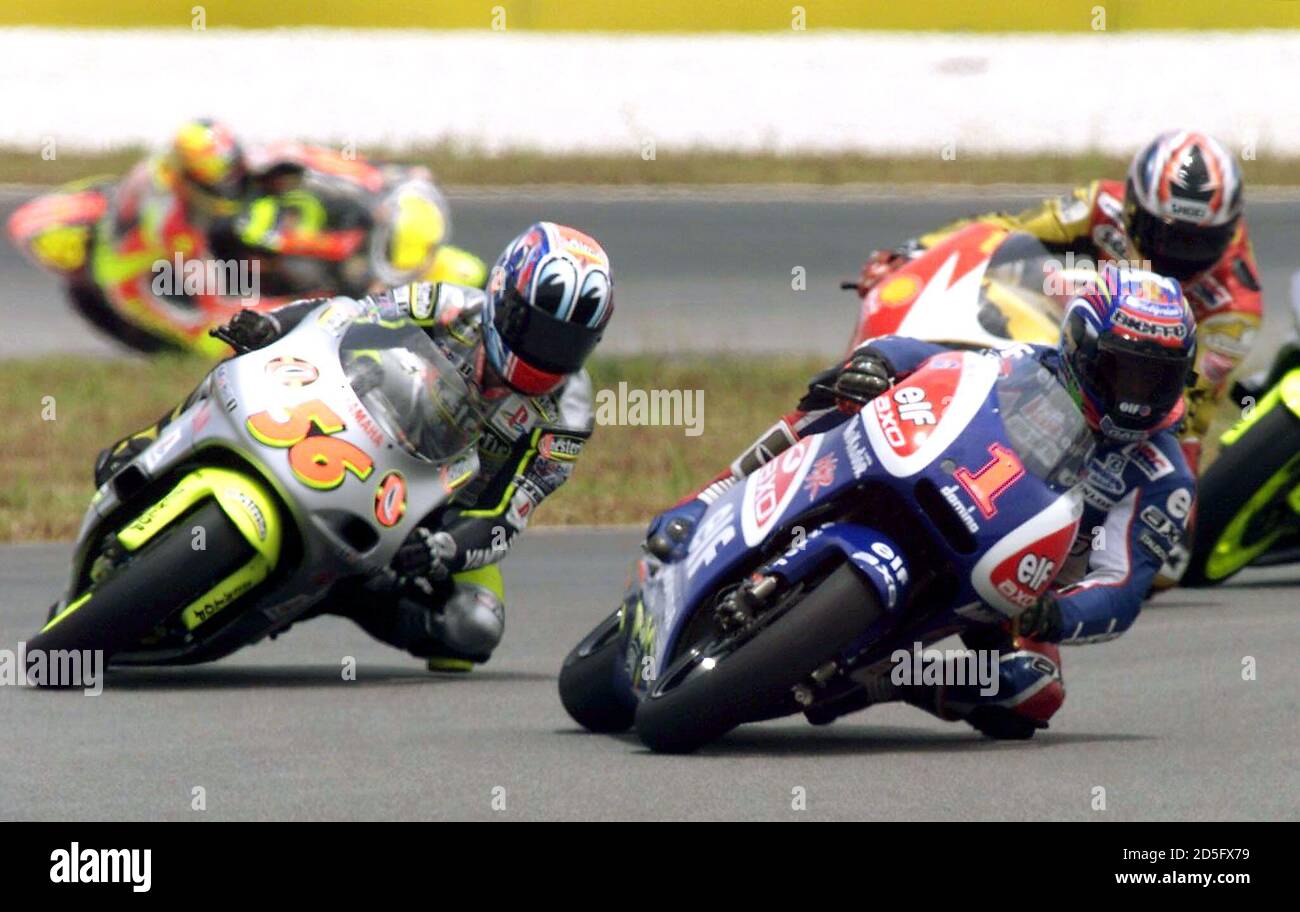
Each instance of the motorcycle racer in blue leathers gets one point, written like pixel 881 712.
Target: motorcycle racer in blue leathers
pixel 1126 354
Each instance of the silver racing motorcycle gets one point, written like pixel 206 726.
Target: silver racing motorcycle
pixel 289 469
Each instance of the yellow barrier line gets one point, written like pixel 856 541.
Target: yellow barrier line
pixel 667 15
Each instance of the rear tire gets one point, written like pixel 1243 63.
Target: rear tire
pixel 760 673
pixel 1223 512
pixel 587 681
pixel 90 303
pixel 165 576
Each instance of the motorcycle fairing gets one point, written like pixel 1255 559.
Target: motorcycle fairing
pixel 1027 530
pixel 218 418
pixel 939 295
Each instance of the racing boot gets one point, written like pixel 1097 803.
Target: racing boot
pixel 1030 688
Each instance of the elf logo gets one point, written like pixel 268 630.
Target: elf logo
pixel 77 865
pixel 1034 572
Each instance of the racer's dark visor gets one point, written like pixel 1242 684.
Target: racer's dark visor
pixel 1179 249
pixel 540 339
pixel 1139 386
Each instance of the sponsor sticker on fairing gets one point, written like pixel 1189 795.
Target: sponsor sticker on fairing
pixel 859 459
pixel 290 371
pixel 960 507
pixel 337 316
pixel 769 491
pixel 1024 577
pixel 714 534
pixel 162 447
pixel 821 476
pixel 883 561
pixel 390 500
pixel 1016 571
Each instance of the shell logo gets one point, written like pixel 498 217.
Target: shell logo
pixel 390 500
pixel 899 291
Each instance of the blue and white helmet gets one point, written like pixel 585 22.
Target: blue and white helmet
pixel 1128 344
pixel 549 297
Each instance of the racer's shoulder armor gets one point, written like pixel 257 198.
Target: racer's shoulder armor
pixel 576 411
pixel 437 306
pixel 568 410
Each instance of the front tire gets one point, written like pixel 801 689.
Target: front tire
pixel 587 680
pixel 689 707
pixel 165 576
pixel 1241 503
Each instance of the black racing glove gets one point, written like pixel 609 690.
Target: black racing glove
pixel 248 331
pixel 1042 621
pixel 425 554
pixel 862 378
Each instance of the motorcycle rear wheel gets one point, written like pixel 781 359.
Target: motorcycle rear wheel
pixel 1241 508
pixel 90 303
pixel 694 702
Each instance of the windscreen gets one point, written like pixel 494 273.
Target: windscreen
pixel 410 388
pixel 1043 423
pixel 1022 294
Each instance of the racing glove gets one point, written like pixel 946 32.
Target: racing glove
pixel 248 331
pixel 878 265
pixel 1041 621
pixel 425 554
pixel 862 378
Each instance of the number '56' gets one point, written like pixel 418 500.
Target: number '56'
pixel 318 461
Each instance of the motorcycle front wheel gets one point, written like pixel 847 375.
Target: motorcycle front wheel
pixel 165 576
pixel 719 685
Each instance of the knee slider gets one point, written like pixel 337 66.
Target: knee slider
pixel 472 620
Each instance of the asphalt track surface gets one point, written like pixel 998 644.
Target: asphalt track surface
pixel 1161 718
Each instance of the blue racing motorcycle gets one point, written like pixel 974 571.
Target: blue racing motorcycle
pixel 950 500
